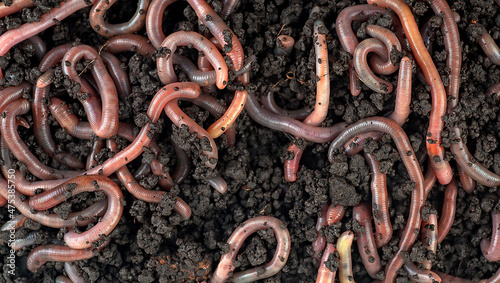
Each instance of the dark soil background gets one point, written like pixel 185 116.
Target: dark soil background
pixel 153 244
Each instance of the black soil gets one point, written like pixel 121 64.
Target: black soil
pixel 153 244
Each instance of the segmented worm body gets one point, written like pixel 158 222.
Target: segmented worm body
pixel 344 248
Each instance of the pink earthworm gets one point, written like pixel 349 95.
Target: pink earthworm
pixel 334 214
pixel 119 75
pixel 448 211
pixel 14 7
pixel 154 20
pixel 20 150
pixel 74 272
pixel 365 74
pixel 468 184
pixel 51 252
pixel 318 115
pixel 391 42
pixel 166 182
pixel 438 92
pixel 325 275
pixel 366 242
pixel 14 36
pixel 97 15
pixel 421 276
pixel 96 147
pixel 75 186
pixel 183 38
pixel 30 240
pixel 107 125
pixel 490 248
pixel 390 127
pixel 140 192
pixel 429 179
pixel 14 223
pixel 429 236
pixel 235 242
pixel 284 45
pixel 130 42
pixel 9 94
pixel 228 7
pixel 344 248
pixel 267 100
pixel 380 203
pixel 288 125
pixel 401 108
pixel 489 47
pixel 319 244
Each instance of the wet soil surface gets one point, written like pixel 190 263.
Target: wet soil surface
pixel 152 243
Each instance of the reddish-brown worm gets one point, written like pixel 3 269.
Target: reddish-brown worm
pixel 228 7
pixel 325 275
pixel 391 42
pixel 74 272
pixel 39 46
pixel 390 127
pixel 14 36
pixel 468 184
pixel 218 183
pixel 107 125
pixel 364 72
pixel 75 186
pixel 429 237
pixel 491 248
pixel 401 107
pixel 448 211
pixel 140 192
pixel 99 24
pixel 42 254
pixel 3 201
pixel 130 42
pixel 344 248
pixel 267 100
pixel 284 45
pixel 117 73
pixel 438 93
pixel 183 165
pixel 318 245
pixel 418 275
pixel 19 148
pixel 239 235
pixel 366 242
pixel 154 21
pixel 334 214
pixel 429 179
pixel 13 223
pixel 96 147
pixel 489 47
pixel 14 7
pixel 380 202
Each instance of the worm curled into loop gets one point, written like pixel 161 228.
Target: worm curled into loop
pixel 103 28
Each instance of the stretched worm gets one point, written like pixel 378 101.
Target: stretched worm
pixel 365 74
pixel 284 45
pixel 344 248
pixel 448 211
pixel 267 100
pixel 490 248
pixel 325 275
pixel 390 127
pixel 421 276
pixel 25 31
pixel 489 47
pixel 366 242
pixel 334 214
pixel 74 272
pixel 286 124
pixel 468 184
pixel 429 237
pixel 239 235
pixel 154 20
pixel 391 42
pixel 42 254
pixel 319 244
pixel 380 203
pixel 97 15
pixel 14 7
pixel 438 93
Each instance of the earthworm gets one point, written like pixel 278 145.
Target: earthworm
pixel 75 186
pixel 63 279
pixel 267 100
pixel 365 74
pixel 366 242
pixel 202 44
pixel 39 46
pixel 325 275
pixel 334 214
pixel 107 125
pixel 9 94
pixel 380 203
pixel 74 272
pixel 117 73
pixel 30 240
pixel 182 166
pixel 284 45
pixel 494 92
pixel 41 254
pixel 319 244
pixel 3 201
pixel 13 223
pixel 140 192
pixel 19 148
pixel 25 31
pixel 490 248
pixel 154 20
pixel 401 107
pixel 130 42
pixel 421 276
pixel 438 93
pixel 391 42
pixel 218 183
pixel 390 127
pixel 489 46
pixel 98 11
pixel 448 211
pixel 344 248
pixel 428 38
pixel 228 7
pixel 239 235
pixel 291 166
pixel 233 111
pixel 14 7
pixel 429 179
pixel 288 125
pixel 429 237
pixel 468 184
pixel 246 66
pixel 96 147
pixel 195 75
pixel 69 121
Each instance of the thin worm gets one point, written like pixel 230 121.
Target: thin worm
pixel 267 100
pixel 380 202
pixel 421 276
pixel 74 272
pixel 468 184
pixel 490 248
pixel 194 74
pixel 235 242
pixel 13 223
pixel 14 7
pixel 429 237
pixel 318 245
pixel 30 240
pixel 366 242
pixel 344 248
pixel 448 211
pixel 154 20
pixel 438 93
pixel 391 42
pixel 97 15
pixel 489 47
pixel 39 46
pixel 390 127
pixel 228 7
pixel 325 275
pixel 182 166
pixel 96 148
pixel 246 67
pixel 55 15
pixel 365 74
pixel 334 214
pixel 284 45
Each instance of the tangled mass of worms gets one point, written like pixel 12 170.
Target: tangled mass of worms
pixel 81 89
